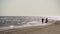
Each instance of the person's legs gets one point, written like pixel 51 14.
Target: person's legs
pixel 42 21
pixel 46 20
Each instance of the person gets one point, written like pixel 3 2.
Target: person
pixel 42 20
pixel 46 20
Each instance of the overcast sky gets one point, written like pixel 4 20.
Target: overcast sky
pixel 29 7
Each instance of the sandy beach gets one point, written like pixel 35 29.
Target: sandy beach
pixel 51 29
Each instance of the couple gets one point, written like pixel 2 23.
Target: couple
pixel 46 20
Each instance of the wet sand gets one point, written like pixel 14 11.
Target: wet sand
pixel 51 29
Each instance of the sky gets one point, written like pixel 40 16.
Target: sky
pixel 29 8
